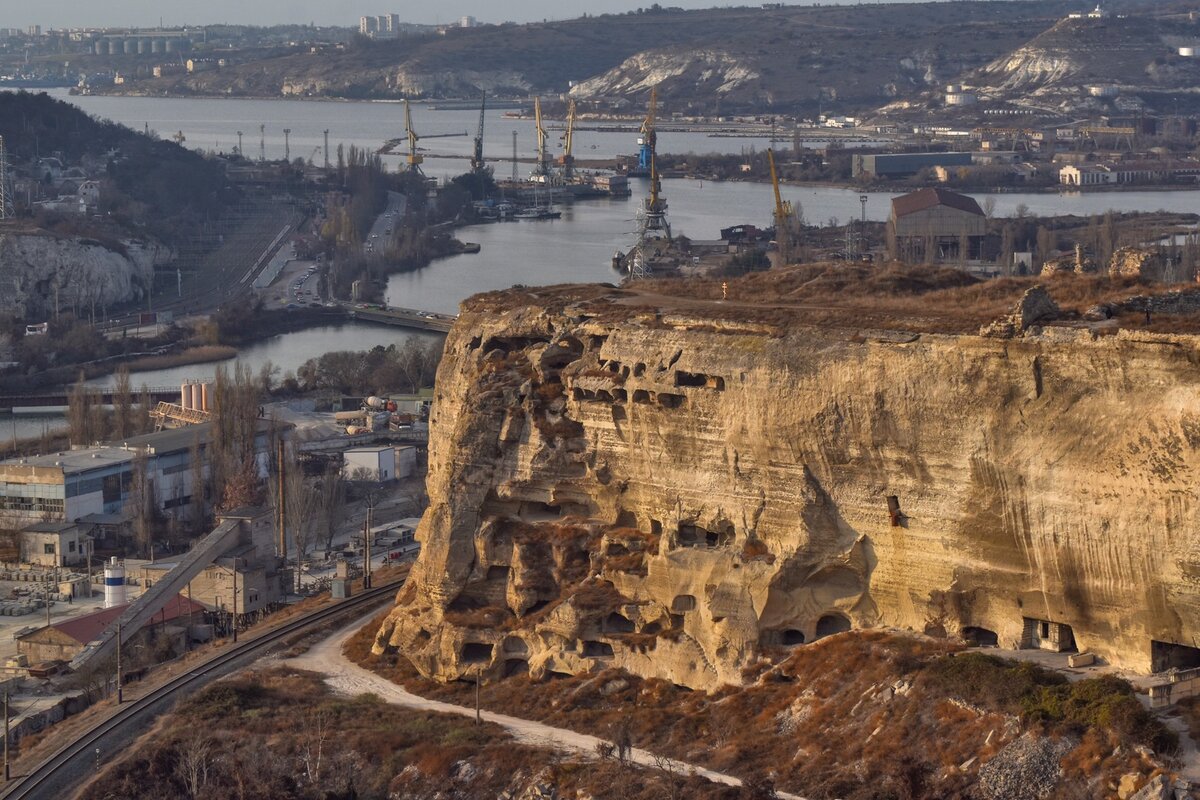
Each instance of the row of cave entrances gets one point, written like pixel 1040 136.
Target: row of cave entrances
pixel 827 625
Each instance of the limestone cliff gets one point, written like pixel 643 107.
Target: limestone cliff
pixel 38 270
pixel 672 491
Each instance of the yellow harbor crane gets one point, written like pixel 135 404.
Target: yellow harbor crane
pixel 414 158
pixel 568 160
pixel 542 162
pixel 783 215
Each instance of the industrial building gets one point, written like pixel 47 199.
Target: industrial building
pixel 56 544
pixel 901 165
pixel 383 463
pixel 74 484
pixel 937 226
pixel 246 578
pixel 64 640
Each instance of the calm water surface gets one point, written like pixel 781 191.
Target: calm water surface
pixel 577 247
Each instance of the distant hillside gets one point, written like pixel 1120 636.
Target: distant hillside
pixel 1136 55
pixel 796 59
pixel 153 183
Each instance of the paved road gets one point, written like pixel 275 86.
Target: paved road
pixel 349 678
pixel 386 223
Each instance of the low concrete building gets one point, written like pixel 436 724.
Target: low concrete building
pixel 370 463
pixel 56 544
pixel 64 640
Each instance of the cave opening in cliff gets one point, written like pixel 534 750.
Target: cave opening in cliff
pixel 791 637
pixel 683 603
pixel 515 666
pixel 980 637
pixel 1168 655
pixel 617 623
pixel 830 624
pixel 476 653
pixel 1040 634
pixel 593 649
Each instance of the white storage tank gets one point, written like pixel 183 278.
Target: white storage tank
pixel 114 583
pixel 961 98
pixel 1187 52
pixel 185 395
pixel 206 397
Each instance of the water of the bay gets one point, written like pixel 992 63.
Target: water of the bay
pixel 578 247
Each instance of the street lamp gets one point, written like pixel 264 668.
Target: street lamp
pixel 862 230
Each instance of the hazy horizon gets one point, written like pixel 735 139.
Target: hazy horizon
pixel 142 13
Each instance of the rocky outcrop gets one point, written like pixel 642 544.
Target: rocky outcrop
pixel 673 490
pixel 1136 262
pixel 687 70
pixel 39 270
pixel 1034 308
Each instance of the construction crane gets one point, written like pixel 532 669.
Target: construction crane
pixel 414 158
pixel 542 164
pixel 783 215
pixel 477 159
pixel 567 160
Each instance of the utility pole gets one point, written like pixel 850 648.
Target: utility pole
pixel 7 770
pixel 120 689
pixel 282 520
pixel 262 142
pixel 862 229
pixel 6 201
pixel 235 600
pixel 287 147
pixel 327 148
pixel 514 156
pixel 239 143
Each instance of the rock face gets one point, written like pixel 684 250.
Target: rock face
pixel 35 267
pixel 673 491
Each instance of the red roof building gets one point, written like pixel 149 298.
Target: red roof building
pixel 63 640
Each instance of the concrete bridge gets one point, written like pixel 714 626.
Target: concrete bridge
pixel 404 318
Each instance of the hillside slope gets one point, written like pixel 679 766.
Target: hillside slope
pixel 794 60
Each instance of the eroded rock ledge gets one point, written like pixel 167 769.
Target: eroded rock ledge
pixel 673 490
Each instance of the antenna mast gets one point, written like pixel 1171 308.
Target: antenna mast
pixel 6 200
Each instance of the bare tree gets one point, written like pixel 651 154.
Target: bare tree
pixel 195 754
pixel 331 491
pixel 123 422
pixel 316 733
pixel 141 503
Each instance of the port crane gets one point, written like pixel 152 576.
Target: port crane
pixel 542 169
pixel 414 158
pixel 648 141
pixel 654 230
pixel 783 215
pixel 477 164
pixel 567 160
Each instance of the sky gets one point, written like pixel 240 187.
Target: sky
pixel 146 13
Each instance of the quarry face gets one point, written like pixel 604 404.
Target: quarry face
pixel 673 492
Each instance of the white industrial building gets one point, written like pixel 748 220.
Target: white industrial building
pixel 382 463
pixel 56 544
pixel 73 484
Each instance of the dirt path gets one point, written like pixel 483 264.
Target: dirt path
pixel 348 678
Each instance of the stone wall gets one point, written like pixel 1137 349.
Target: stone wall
pixel 671 493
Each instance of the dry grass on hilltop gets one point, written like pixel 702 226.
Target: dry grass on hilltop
pixel 858 716
pixel 282 734
pixel 893 296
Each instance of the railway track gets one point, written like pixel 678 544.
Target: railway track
pixel 60 774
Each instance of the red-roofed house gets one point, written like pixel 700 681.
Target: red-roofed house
pixel 934 226
pixel 63 640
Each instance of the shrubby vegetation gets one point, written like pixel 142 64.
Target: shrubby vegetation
pixel 283 734
pixel 404 368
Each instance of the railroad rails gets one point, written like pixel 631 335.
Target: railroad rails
pixel 60 774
